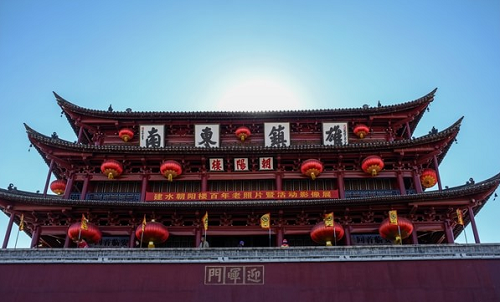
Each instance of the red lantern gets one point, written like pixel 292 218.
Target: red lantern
pixel 111 168
pixel 91 234
pixel 392 231
pixel 242 133
pixel 311 168
pixel 126 134
pixel 153 232
pixel 428 178
pixel 58 186
pixel 171 169
pixel 323 234
pixel 372 165
pixel 361 130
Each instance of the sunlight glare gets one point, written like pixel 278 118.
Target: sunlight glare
pixel 259 95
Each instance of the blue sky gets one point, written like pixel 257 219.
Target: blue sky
pixel 252 55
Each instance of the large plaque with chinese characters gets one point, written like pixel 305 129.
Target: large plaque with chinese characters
pixel 240 195
pixel 335 134
pixel 234 275
pixel 152 136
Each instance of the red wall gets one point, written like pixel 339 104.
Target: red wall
pixel 442 280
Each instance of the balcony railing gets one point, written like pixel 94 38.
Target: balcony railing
pixel 108 196
pixel 246 255
pixel 371 193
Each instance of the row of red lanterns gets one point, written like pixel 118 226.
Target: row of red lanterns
pixel 325 235
pixel 243 132
pixel 156 233
pixel 311 168
pixel 152 232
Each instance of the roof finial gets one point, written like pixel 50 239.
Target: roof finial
pixel 110 108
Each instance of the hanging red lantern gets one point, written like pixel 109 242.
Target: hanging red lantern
pixel 323 234
pixel 372 165
pixel 58 186
pixel 428 178
pixel 152 232
pixel 390 231
pixel 311 168
pixel 171 169
pixel 361 130
pixel 90 233
pixel 242 133
pixel 126 134
pixel 111 168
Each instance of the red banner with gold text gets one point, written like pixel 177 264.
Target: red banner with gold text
pixel 240 195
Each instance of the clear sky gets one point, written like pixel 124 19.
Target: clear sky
pixel 252 55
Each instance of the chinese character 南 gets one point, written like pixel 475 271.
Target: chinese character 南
pixel 206 136
pixel 153 139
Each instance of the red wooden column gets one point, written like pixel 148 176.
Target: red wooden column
pixel 414 235
pixel 416 181
pixel 473 224
pixel 85 188
pixel 8 231
pixel 279 182
pixel 408 130
pixel 69 185
pixel 401 184
pixel 46 188
pixel 340 184
pixel 67 241
pixel 448 231
pixel 80 132
pixel 347 235
pixel 36 236
pixel 144 187
pixel 279 236
pixel 204 182
pixel 131 239
pixel 437 172
pixel 197 236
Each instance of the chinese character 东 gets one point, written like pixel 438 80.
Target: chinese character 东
pixel 206 136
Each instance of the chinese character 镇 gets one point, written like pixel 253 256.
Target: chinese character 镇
pixel 277 136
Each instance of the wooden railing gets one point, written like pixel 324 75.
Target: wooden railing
pixel 247 255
